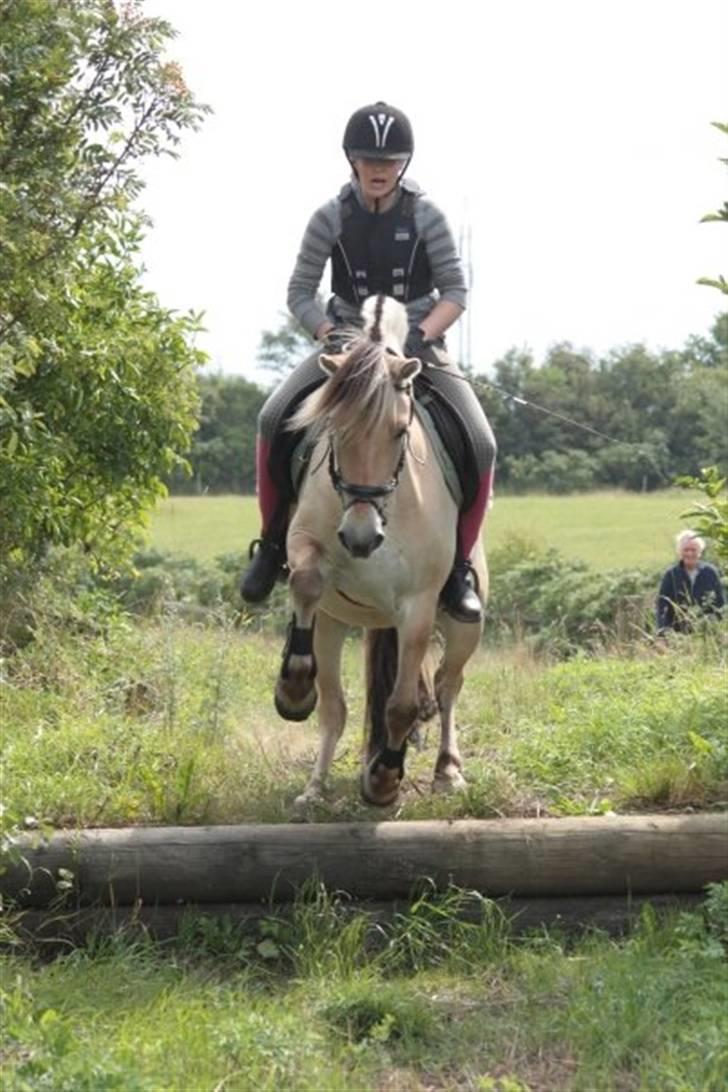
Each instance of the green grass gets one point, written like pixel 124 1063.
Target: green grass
pixel 612 530
pixel 437 1003
pixel 171 723
pixel 204 527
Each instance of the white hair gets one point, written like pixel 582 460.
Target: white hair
pixel 688 536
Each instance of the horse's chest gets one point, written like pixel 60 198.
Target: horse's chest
pixel 380 582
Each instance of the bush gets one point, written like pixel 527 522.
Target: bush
pixel 562 605
pixel 558 605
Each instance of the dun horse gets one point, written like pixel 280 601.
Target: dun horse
pixel 370 545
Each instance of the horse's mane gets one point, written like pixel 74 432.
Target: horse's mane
pixel 355 398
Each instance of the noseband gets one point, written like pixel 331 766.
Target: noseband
pixel 351 493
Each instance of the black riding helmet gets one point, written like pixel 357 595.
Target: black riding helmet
pixel 378 131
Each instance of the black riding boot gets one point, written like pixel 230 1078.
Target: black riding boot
pixel 267 565
pixel 459 597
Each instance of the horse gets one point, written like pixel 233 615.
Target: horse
pixel 370 544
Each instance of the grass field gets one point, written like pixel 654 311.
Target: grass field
pixel 612 530
pixel 172 723
pixel 442 1006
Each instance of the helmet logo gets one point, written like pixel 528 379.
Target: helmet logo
pixel 381 123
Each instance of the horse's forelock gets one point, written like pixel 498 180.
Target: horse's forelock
pixel 355 397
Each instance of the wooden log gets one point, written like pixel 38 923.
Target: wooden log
pixel 250 863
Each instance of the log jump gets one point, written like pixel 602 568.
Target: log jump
pixel 246 864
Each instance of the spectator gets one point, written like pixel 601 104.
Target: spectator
pixel 691 583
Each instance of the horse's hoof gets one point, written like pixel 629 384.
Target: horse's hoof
pixel 447 783
pixel 304 803
pixel 300 711
pixel 370 795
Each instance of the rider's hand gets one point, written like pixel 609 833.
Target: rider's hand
pixel 335 340
pixel 417 343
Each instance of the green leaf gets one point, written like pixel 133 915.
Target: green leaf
pixel 268 949
pixel 700 744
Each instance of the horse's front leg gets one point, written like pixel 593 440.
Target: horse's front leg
pixel 328 644
pixel 384 771
pixel 295 692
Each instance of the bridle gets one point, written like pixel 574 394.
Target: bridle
pixel 351 493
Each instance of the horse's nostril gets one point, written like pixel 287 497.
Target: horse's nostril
pixel 378 540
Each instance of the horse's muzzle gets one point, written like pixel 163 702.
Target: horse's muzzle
pixel 361 531
pixel 360 549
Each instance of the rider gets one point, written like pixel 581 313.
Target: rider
pixel 382 235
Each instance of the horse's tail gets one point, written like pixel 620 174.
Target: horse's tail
pixel 381 670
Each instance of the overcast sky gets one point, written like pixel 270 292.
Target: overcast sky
pixel 572 137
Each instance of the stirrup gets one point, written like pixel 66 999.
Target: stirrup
pixel 467 566
pixel 259 543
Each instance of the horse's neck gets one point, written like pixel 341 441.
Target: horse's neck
pixel 425 474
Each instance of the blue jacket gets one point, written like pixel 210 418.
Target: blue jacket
pixel 676 595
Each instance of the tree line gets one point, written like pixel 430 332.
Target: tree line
pixel 632 418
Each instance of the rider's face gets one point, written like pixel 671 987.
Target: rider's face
pixel 378 177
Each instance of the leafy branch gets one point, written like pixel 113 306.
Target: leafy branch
pixel 710 520
pixel 720 214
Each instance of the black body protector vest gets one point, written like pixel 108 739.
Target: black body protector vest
pixel 379 252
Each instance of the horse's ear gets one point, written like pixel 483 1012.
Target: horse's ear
pixel 331 364
pixel 408 369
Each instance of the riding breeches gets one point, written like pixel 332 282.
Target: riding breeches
pixel 447 384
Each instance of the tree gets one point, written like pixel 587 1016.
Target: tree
pixel 97 379
pixel 222 459
pixel 500 400
pixel 711 351
pixel 279 350
pixel 664 412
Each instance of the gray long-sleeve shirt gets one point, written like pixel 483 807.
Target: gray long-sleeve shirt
pixel 319 240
